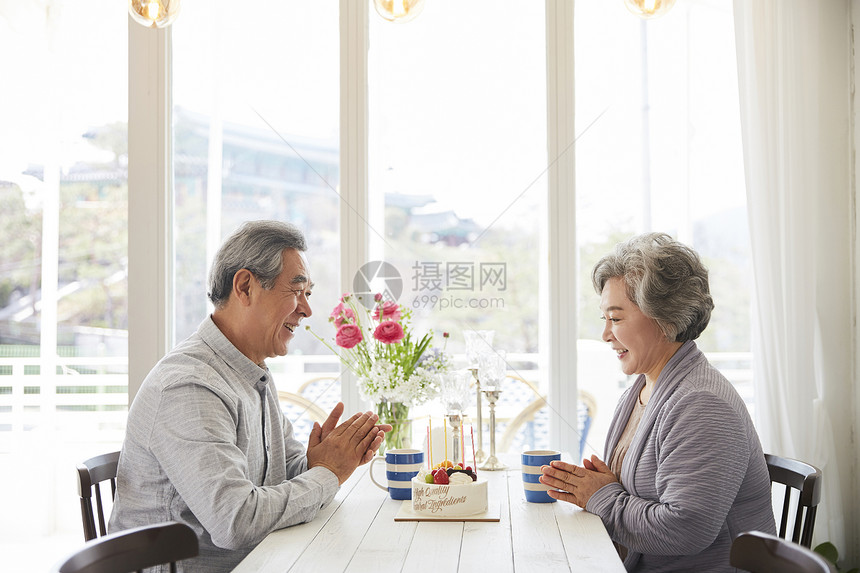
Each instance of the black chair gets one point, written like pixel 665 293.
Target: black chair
pixel 759 552
pixel 91 474
pixel 804 479
pixel 134 550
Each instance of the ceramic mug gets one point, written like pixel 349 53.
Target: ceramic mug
pixel 532 461
pixel 400 467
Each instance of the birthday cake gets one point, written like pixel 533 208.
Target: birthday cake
pixel 450 491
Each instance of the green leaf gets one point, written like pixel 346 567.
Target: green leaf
pixel 828 551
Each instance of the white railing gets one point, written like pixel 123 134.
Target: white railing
pixel 91 393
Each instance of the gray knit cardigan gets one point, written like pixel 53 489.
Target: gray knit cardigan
pixel 694 477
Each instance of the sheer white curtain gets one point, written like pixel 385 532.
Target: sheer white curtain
pixel 793 67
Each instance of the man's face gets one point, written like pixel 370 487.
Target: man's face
pixel 279 310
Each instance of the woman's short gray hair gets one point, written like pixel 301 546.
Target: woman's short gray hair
pixel 257 246
pixel 665 279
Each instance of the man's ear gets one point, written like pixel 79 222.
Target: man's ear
pixel 242 283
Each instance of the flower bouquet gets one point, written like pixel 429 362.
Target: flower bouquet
pixel 396 369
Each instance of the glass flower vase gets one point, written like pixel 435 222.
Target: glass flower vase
pixel 397 415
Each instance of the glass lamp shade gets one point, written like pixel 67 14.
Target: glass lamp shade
pixel 154 13
pixel 491 369
pixel 649 8
pixel 398 10
pixel 478 342
pixel 455 390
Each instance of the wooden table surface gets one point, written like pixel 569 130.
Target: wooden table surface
pixel 357 532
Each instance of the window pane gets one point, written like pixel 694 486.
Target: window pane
pixel 664 156
pixel 63 255
pixel 256 137
pixel 457 158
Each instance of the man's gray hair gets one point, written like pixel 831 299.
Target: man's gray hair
pixel 257 246
pixel 665 279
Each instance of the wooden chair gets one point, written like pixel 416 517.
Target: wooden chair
pixel 587 407
pixel 759 552
pixel 804 479
pixel 324 391
pixel 302 406
pixel 134 550
pixel 91 474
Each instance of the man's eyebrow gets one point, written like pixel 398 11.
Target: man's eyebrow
pixel 612 308
pixel 298 279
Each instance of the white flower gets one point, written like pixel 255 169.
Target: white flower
pixel 385 382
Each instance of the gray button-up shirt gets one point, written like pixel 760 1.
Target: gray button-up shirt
pixel 207 444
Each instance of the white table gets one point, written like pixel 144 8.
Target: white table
pixel 357 532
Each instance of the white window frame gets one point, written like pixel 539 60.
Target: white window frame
pixel 150 185
pixel 150 200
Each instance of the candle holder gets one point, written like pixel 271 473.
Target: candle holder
pixel 455 420
pixel 478 343
pixel 454 390
pixel 480 455
pixel 493 463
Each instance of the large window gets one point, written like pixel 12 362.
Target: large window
pixel 457 162
pixel 663 154
pixel 63 255
pixel 255 122
pixel 457 191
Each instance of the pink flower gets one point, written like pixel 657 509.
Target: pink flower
pixel 348 336
pixel 388 332
pixel 377 297
pixel 387 311
pixel 342 314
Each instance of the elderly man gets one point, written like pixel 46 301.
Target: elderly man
pixel 207 443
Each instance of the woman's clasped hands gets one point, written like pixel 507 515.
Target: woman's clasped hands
pixel 576 484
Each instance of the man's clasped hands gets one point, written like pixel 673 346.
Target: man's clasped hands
pixel 342 448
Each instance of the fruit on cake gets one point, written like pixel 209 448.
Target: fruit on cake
pixel 448 491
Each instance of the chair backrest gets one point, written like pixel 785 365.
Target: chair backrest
pixel 300 406
pixel 587 411
pixel 324 391
pixel 91 474
pixel 806 480
pixel 134 550
pixel 763 553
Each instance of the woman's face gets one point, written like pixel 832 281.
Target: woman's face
pixel 641 346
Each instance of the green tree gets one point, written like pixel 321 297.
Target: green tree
pixel 21 230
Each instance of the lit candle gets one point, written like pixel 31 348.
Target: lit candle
pixel 430 439
pixel 462 450
pixel 445 435
pixel 474 462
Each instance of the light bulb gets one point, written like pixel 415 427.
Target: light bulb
pixel 398 10
pixel 649 8
pixel 154 13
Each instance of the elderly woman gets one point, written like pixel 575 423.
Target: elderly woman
pixel 686 472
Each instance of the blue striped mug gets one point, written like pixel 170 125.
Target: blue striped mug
pixel 532 461
pixel 400 467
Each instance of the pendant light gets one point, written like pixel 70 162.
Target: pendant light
pixel 398 10
pixel 649 8
pixel 154 13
